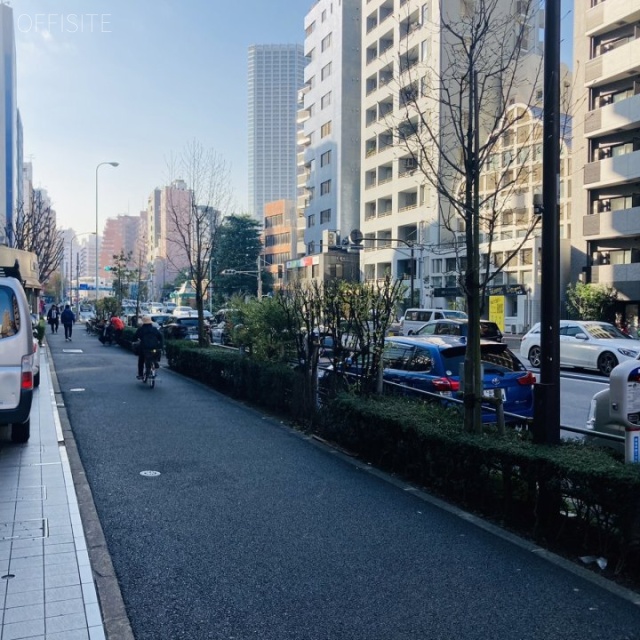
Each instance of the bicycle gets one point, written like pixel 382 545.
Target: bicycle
pixel 151 360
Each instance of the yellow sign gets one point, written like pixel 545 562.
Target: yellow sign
pixel 496 310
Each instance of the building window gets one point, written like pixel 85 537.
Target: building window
pixel 325 158
pixel 325 101
pixel 424 50
pixel 436 265
pixel 310 29
pixel 424 17
pixel 325 216
pixel 325 187
pixel 310 55
pixel 326 43
pixel 311 248
pixel 325 72
pixel 323 17
pixel 325 129
pixel 311 221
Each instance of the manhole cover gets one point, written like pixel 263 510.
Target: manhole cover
pixel 149 474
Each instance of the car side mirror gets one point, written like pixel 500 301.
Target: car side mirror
pixel 581 336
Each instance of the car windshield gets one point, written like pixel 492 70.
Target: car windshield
pixel 494 357
pixel 604 331
pixel 461 315
pixel 189 322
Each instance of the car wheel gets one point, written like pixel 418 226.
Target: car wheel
pixel 535 356
pixel 20 432
pixel 606 362
pixel 36 380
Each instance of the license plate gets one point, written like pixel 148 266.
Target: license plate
pixel 489 393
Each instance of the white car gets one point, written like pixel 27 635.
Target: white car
pixel 184 312
pixel 588 344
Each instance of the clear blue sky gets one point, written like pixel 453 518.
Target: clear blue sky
pixel 133 84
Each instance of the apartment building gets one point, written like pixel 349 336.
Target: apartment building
pixel 410 230
pixel 329 173
pixel 279 237
pixel 606 200
pixel 122 234
pixel 275 77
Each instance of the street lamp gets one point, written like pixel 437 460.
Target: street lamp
pixel 113 164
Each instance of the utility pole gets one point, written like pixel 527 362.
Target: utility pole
pixel 546 417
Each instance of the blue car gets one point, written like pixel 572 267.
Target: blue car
pixel 434 364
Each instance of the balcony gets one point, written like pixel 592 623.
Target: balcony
pixel 303 115
pixel 617 116
pixel 624 222
pixel 625 278
pixel 614 65
pixel 604 15
pixel 612 171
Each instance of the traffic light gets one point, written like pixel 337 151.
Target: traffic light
pixel 280 272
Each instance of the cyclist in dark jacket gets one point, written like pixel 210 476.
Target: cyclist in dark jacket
pixel 148 338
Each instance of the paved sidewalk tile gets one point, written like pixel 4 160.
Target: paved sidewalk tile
pixel 48 591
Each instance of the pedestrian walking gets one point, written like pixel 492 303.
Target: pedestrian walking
pixel 68 318
pixel 53 318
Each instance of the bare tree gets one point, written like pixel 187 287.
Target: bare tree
pixel 451 124
pixel 35 230
pixel 195 215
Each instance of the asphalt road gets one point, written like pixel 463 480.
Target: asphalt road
pixel 251 531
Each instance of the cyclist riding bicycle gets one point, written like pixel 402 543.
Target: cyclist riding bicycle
pixel 150 343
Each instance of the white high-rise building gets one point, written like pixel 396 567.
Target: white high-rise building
pixel 408 76
pixel 275 77
pixel 606 194
pixel 329 157
pixel 10 171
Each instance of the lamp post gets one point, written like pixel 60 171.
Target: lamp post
pixel 113 164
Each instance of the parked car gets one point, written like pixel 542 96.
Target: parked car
pixel 488 330
pixel 588 344
pixel 413 319
pixel 181 312
pixel 182 329
pixel 161 318
pixel 17 347
pixel 434 364
pixel 220 334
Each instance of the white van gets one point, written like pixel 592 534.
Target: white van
pixel 16 359
pixel 413 319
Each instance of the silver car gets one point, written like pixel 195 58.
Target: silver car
pixel 587 344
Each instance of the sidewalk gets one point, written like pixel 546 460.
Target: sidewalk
pixel 47 586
